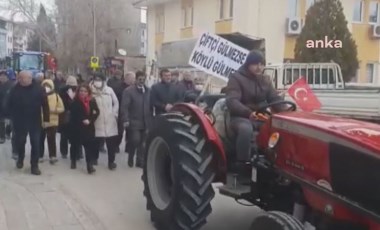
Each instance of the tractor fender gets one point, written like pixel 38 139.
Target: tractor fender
pixel 211 135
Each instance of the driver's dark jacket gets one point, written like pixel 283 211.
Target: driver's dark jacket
pixel 245 93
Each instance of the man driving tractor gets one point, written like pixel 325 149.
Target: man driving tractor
pixel 248 89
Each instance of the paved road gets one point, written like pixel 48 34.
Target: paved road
pixel 65 199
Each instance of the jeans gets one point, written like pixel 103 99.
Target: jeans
pixel 49 134
pixel 2 129
pixel 90 150
pixel 246 132
pixel 34 137
pixel 64 144
pixel 111 143
pixel 136 138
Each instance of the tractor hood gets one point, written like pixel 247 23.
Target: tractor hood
pixel 319 126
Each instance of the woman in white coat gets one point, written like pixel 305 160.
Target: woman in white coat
pixel 106 124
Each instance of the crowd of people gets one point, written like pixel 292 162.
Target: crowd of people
pixel 88 114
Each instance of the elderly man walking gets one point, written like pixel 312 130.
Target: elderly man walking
pixel 26 100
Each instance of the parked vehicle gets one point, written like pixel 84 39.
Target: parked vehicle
pixel 326 80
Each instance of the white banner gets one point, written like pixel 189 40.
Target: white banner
pixel 217 56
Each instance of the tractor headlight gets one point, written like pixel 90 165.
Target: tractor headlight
pixel 273 140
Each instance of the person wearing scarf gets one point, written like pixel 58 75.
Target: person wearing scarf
pixel 84 112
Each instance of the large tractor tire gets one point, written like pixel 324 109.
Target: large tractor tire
pixel 178 173
pixel 276 221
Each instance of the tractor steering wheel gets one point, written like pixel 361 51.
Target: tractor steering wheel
pixel 264 109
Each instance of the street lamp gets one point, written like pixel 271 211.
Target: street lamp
pixel 94 24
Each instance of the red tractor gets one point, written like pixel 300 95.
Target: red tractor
pixel 313 171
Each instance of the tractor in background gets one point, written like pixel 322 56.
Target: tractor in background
pixel 36 62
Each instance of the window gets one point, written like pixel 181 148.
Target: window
pixel 187 16
pixel 358 11
pixel 160 23
pixel 221 9
pixel 231 8
pixel 370 72
pixel 373 12
pixel 293 8
pixel 226 8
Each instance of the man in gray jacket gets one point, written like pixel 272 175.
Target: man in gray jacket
pixel 136 115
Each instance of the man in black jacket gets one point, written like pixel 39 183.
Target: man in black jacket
pixel 26 100
pixel 164 94
pixel 136 115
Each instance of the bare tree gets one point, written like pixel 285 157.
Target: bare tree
pixel 75 30
pixel 28 9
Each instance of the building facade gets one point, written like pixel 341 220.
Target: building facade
pixel 21 36
pixel 14 36
pixel 278 22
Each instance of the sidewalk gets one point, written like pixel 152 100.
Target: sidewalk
pixel 29 203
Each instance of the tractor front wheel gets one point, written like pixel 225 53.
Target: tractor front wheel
pixel 178 174
pixel 276 221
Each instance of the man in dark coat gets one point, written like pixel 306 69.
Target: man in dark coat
pixel 119 84
pixel 59 81
pixel 247 89
pixel 26 101
pixel 186 87
pixel 5 86
pixel 136 116
pixel 164 94
pixel 67 93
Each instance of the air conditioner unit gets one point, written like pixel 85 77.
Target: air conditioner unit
pixel 293 26
pixel 376 31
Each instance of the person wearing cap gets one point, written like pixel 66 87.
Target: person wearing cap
pixel 106 125
pixel 67 94
pixel 246 90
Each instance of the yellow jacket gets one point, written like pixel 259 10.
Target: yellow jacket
pixel 55 105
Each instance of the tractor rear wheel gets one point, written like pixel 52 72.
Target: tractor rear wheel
pixel 276 221
pixel 178 173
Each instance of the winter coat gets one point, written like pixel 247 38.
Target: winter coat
pixel 25 104
pixel 4 91
pixel 185 87
pixel 245 93
pixel 56 106
pixel 135 108
pixel 118 87
pixel 106 125
pixel 162 94
pixel 59 84
pixel 77 130
pixel 67 101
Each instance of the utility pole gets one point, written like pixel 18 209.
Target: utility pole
pixel 94 24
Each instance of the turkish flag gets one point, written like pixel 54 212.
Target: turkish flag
pixel 304 97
